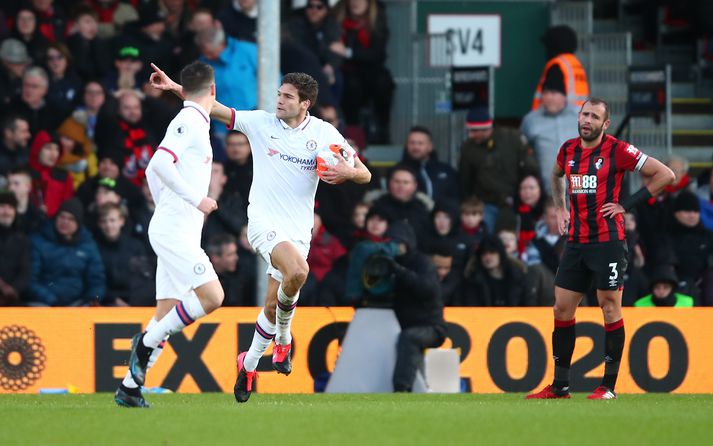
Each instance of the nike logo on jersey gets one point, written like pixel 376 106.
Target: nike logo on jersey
pixel 272 152
pixel 274 137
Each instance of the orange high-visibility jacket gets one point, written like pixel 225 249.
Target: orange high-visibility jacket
pixel 575 78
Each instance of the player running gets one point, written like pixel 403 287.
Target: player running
pixel 594 165
pixel 281 210
pixel 187 287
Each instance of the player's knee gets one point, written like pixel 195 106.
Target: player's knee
pixel 563 311
pixel 297 276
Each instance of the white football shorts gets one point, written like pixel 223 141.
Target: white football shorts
pixel 181 268
pixel 263 238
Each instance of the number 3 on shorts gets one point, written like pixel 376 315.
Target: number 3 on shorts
pixel 614 274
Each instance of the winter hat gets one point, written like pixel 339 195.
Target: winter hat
pixel 686 201
pixel 114 155
pixel 128 52
pixel 7 197
pixel 560 39
pixel 108 183
pixel 402 231
pixel 14 51
pixel 74 207
pixel 478 118
pixel 664 273
pixel 554 83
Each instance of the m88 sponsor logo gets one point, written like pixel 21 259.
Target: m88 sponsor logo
pixel 583 184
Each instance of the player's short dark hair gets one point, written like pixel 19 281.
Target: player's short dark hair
pixel 306 86
pixel 196 78
pixel 215 244
pixel 599 101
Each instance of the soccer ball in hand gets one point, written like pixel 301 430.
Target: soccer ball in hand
pixel 326 157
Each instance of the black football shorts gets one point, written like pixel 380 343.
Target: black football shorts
pixel 605 263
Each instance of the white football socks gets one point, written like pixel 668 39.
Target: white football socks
pixel 264 334
pixel 283 316
pixel 182 315
pixel 128 380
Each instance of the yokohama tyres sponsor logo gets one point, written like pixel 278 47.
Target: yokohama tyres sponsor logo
pixel 303 163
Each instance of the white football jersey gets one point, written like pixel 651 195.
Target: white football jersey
pixel 187 139
pixel 284 168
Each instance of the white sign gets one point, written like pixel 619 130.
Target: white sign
pixel 473 39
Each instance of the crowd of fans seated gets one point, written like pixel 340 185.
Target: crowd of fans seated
pixel 80 123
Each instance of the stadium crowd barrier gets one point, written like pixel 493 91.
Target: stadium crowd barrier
pixel 502 350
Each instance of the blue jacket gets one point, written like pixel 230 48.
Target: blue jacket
pixel 236 75
pixel 65 272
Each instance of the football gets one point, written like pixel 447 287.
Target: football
pixel 325 157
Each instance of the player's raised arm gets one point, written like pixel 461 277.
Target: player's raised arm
pixel 160 80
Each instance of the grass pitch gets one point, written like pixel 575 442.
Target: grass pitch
pixel 383 419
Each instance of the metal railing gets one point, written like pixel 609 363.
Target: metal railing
pixel 579 16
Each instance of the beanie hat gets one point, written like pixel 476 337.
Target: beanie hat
pixel 478 118
pixel 74 207
pixel 664 273
pixel 560 39
pixel 554 81
pixel 115 155
pixel 686 201
pixel 7 197
pixel 106 182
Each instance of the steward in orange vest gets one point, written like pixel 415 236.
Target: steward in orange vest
pixel 563 68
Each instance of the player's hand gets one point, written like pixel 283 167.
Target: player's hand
pixel 609 210
pixel 562 220
pixel 339 173
pixel 207 205
pixel 160 80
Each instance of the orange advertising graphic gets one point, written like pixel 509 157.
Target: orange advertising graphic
pixel 502 350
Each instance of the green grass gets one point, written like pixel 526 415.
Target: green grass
pixel 436 420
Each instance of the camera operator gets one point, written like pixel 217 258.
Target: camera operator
pixel 417 303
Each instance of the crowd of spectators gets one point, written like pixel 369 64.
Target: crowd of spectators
pixel 80 123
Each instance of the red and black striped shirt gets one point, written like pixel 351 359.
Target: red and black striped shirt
pixel 593 179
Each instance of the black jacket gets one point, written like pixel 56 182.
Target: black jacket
pixel 436 179
pixel 229 218
pixel 92 58
pixel 693 248
pixel 130 270
pixel 240 178
pixel 237 24
pixel 417 292
pixel 12 159
pixel 15 264
pixel 48 117
pixel 481 290
pixel 414 212
pixel 31 221
pixel 318 39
